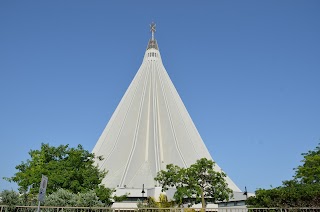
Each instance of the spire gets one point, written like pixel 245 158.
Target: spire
pixel 152 29
pixel 152 42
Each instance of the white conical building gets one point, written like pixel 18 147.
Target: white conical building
pixel 149 129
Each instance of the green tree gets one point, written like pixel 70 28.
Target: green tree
pixel 292 194
pixel 69 168
pixel 309 171
pixel 199 181
pixel 105 195
pixel 302 191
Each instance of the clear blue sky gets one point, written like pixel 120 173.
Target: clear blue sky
pixel 247 71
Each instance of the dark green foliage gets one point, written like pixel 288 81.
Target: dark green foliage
pixel 73 179
pixel 309 171
pixel 120 198
pixel 69 168
pixel 104 195
pixel 302 191
pixel 293 195
pixel 198 182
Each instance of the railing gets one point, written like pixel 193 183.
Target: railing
pixel 54 209
pixel 4 208
pixel 242 209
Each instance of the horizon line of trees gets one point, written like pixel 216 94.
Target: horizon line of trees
pixel 301 191
pixel 75 180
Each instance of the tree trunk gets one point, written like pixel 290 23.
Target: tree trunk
pixel 203 201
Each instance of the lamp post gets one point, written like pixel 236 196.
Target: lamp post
pixel 143 190
pixel 245 192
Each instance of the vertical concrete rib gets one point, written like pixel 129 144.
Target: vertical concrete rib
pixel 154 116
pixel 170 119
pixel 148 114
pixel 157 119
pixel 125 118
pixel 136 131
pixel 177 100
pixel 161 159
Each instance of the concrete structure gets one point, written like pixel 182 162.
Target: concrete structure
pixel 149 129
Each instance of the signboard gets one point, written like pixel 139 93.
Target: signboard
pixel 43 188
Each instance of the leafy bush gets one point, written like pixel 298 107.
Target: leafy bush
pixel 64 197
pixel 150 202
pixel 89 199
pixel 10 198
pixel 61 197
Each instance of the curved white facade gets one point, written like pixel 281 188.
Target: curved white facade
pixel 149 129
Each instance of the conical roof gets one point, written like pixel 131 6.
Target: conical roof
pixel 149 129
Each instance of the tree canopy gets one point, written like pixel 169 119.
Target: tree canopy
pixel 72 169
pixel 199 181
pixel 302 191
pixel 309 171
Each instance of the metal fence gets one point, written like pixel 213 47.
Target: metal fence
pixel 4 208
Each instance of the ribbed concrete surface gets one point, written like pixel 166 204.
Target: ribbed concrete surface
pixel 149 129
